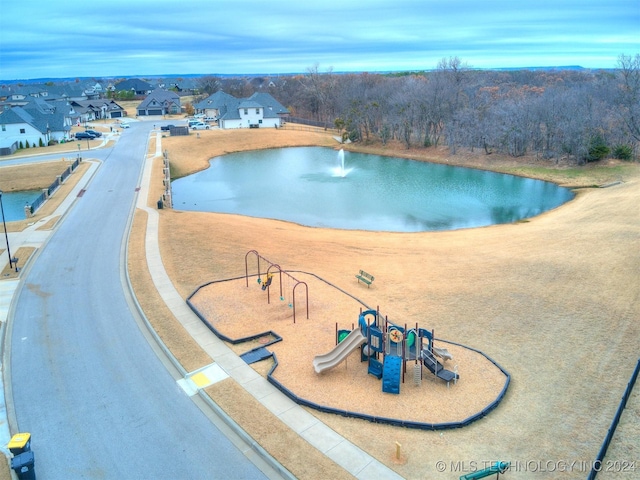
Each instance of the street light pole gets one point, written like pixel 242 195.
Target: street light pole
pixel 6 235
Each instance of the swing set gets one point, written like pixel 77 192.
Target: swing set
pixel 291 282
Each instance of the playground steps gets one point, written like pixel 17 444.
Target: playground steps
pixel 436 367
pixel 256 355
pixel 375 368
pixel 391 374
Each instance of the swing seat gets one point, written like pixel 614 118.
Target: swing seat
pixel 267 282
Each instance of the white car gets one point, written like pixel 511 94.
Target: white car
pixel 124 125
pixel 200 126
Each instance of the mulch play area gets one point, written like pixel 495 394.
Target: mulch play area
pixel 348 386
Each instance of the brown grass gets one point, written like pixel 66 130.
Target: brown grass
pixel 44 180
pixel 553 300
pixel 22 254
pixel 30 177
pixel 286 446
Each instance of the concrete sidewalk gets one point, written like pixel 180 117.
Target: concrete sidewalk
pixel 226 363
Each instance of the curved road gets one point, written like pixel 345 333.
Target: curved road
pixel 85 382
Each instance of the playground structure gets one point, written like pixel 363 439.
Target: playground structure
pixel 290 373
pixel 268 278
pixel 397 345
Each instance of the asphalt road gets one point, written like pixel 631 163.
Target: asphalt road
pixel 85 382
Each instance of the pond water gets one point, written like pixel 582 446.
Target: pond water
pixel 13 203
pixel 316 186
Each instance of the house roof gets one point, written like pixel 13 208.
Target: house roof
pixel 133 84
pixel 42 122
pixel 272 108
pixel 215 100
pixel 229 106
pixel 40 105
pixel 249 104
pixel 160 96
pixel 97 104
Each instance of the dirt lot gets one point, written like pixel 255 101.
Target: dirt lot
pixel 554 300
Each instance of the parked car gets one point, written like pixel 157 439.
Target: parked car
pixel 124 125
pixel 166 128
pixel 83 135
pixel 193 122
pixel 200 126
pixel 94 133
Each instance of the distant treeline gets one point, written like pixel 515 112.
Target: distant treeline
pixel 576 115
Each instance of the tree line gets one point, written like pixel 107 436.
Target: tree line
pixel 577 115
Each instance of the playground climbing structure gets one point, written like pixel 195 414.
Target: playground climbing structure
pixel 387 348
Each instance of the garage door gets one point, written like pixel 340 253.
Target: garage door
pixel 116 114
pixel 155 112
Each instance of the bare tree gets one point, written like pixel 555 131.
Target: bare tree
pixel 209 84
pixel 629 93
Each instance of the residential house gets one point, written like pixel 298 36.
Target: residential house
pixel 19 125
pixel 53 94
pixel 160 102
pixel 89 110
pixel 260 110
pixel 135 85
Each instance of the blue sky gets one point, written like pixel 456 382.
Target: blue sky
pixel 115 38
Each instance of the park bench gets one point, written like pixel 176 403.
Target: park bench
pixel 365 278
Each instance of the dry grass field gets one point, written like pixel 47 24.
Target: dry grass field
pixel 554 300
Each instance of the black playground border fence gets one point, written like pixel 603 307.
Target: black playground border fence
pixel 597 464
pixel 37 203
pixel 346 413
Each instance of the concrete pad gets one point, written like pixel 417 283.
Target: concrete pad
pixel 277 403
pixel 244 374
pixel 377 471
pixel 349 457
pixel 259 387
pixel 298 419
pixel 322 437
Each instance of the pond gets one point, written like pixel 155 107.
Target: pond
pixel 13 203
pixel 322 187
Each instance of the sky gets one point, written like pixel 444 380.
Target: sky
pixel 118 38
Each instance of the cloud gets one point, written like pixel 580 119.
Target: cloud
pixel 120 38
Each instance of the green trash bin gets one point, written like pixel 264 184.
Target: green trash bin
pixel 20 442
pixel 23 465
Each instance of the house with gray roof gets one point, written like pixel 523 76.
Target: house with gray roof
pixel 89 110
pixel 19 125
pixel 160 102
pixel 260 110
